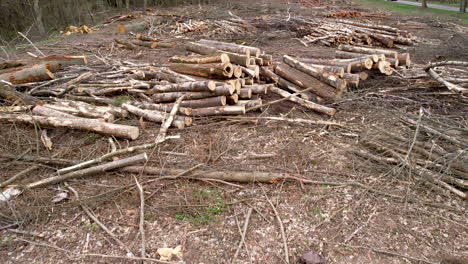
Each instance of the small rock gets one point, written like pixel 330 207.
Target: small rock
pixel 312 258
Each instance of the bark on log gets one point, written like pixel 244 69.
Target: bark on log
pixel 283 83
pixel 137 26
pixel 94 125
pixel 89 109
pixel 352 79
pixel 352 55
pixel 100 169
pixel 363 75
pixel 197 86
pixel 55 62
pixel 266 59
pixel 388 53
pixel 220 110
pixel 210 70
pixel 162 107
pixel 374 26
pixel 205 102
pixel 305 81
pixel 258 89
pixel 384 39
pixel 452 87
pixel 12 95
pixel 171 97
pixel 158 116
pixel 328 79
pixel 126 44
pixel 237 72
pixel 250 103
pixel 393 62
pixel 305 103
pixel 45 111
pixel 336 70
pixel 27 74
pixel 268 74
pixel 245 93
pixel 232 47
pixel 169 75
pixel 234 58
pixel 75 112
pixel 220 58
pixel 232 176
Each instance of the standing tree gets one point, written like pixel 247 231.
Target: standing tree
pixel 463 6
pixel 424 3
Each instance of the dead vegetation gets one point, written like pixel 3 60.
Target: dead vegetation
pixel 382 180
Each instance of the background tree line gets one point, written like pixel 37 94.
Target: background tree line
pixel 38 18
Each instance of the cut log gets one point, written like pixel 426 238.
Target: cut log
pixel 258 61
pixel 121 131
pixel 171 97
pixel 363 75
pixel 245 93
pixel 158 116
pixel 349 65
pixel 197 86
pixel 200 103
pixel 374 26
pixel 393 62
pixel 137 26
pixel 168 75
pixel 100 169
pixel 328 79
pixel 352 55
pixel 232 47
pixel 268 74
pixel 54 62
pixel 388 53
pixel 258 89
pixel 220 110
pixel 305 81
pixel 337 70
pixel 352 79
pixel 27 74
pixel 89 110
pixel 45 111
pixel 12 95
pixel 404 59
pixel 234 58
pixel 126 44
pixel 237 73
pixel 384 39
pixel 210 70
pixel 80 112
pixel 305 103
pixel 249 81
pixel 250 103
pixel 148 44
pixel 384 67
pixel 266 59
pixel 162 107
pixel 232 99
pixel 220 58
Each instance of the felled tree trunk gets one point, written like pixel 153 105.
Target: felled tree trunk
pixel 352 55
pixel 234 58
pixel 250 103
pixel 204 102
pixel 27 74
pixel 137 26
pixel 258 89
pixel 389 53
pixel 232 47
pixel 384 67
pixel 337 70
pixel 54 62
pixel 305 103
pixel 171 97
pixel 352 79
pixel 404 59
pixel 305 81
pixel 94 125
pixel 219 110
pixel 328 79
pixel 245 93
pixel 163 108
pixel 220 58
pixel 197 86
pixel 158 116
pixel 211 70
pixel 12 95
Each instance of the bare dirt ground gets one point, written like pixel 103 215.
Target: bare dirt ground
pixel 343 223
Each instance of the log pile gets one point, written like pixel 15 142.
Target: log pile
pixel 336 32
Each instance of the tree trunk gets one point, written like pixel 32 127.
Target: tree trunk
pixel 220 110
pixel 463 6
pixel 234 58
pixel 305 81
pixel 423 3
pixel 27 74
pixel 200 103
pixel 388 53
pixel 328 79
pixel 163 107
pixel 221 58
pixel 197 86
pixel 352 55
pixel 54 62
pixel 158 116
pixel 305 103
pixel 171 97
pixel 210 70
pixel 38 13
pixel 94 125
pixel 232 47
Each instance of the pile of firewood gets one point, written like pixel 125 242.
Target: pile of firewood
pixel 334 33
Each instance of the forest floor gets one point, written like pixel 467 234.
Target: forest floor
pixel 342 223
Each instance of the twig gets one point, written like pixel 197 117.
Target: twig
pixel 416 133
pixel 283 235
pixel 142 218
pixel 30 42
pixel 277 118
pixel 18 175
pixel 244 231
pixel 360 228
pixel 99 223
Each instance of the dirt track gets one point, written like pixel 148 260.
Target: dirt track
pixel 343 223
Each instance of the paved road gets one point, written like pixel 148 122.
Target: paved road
pixel 443 7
